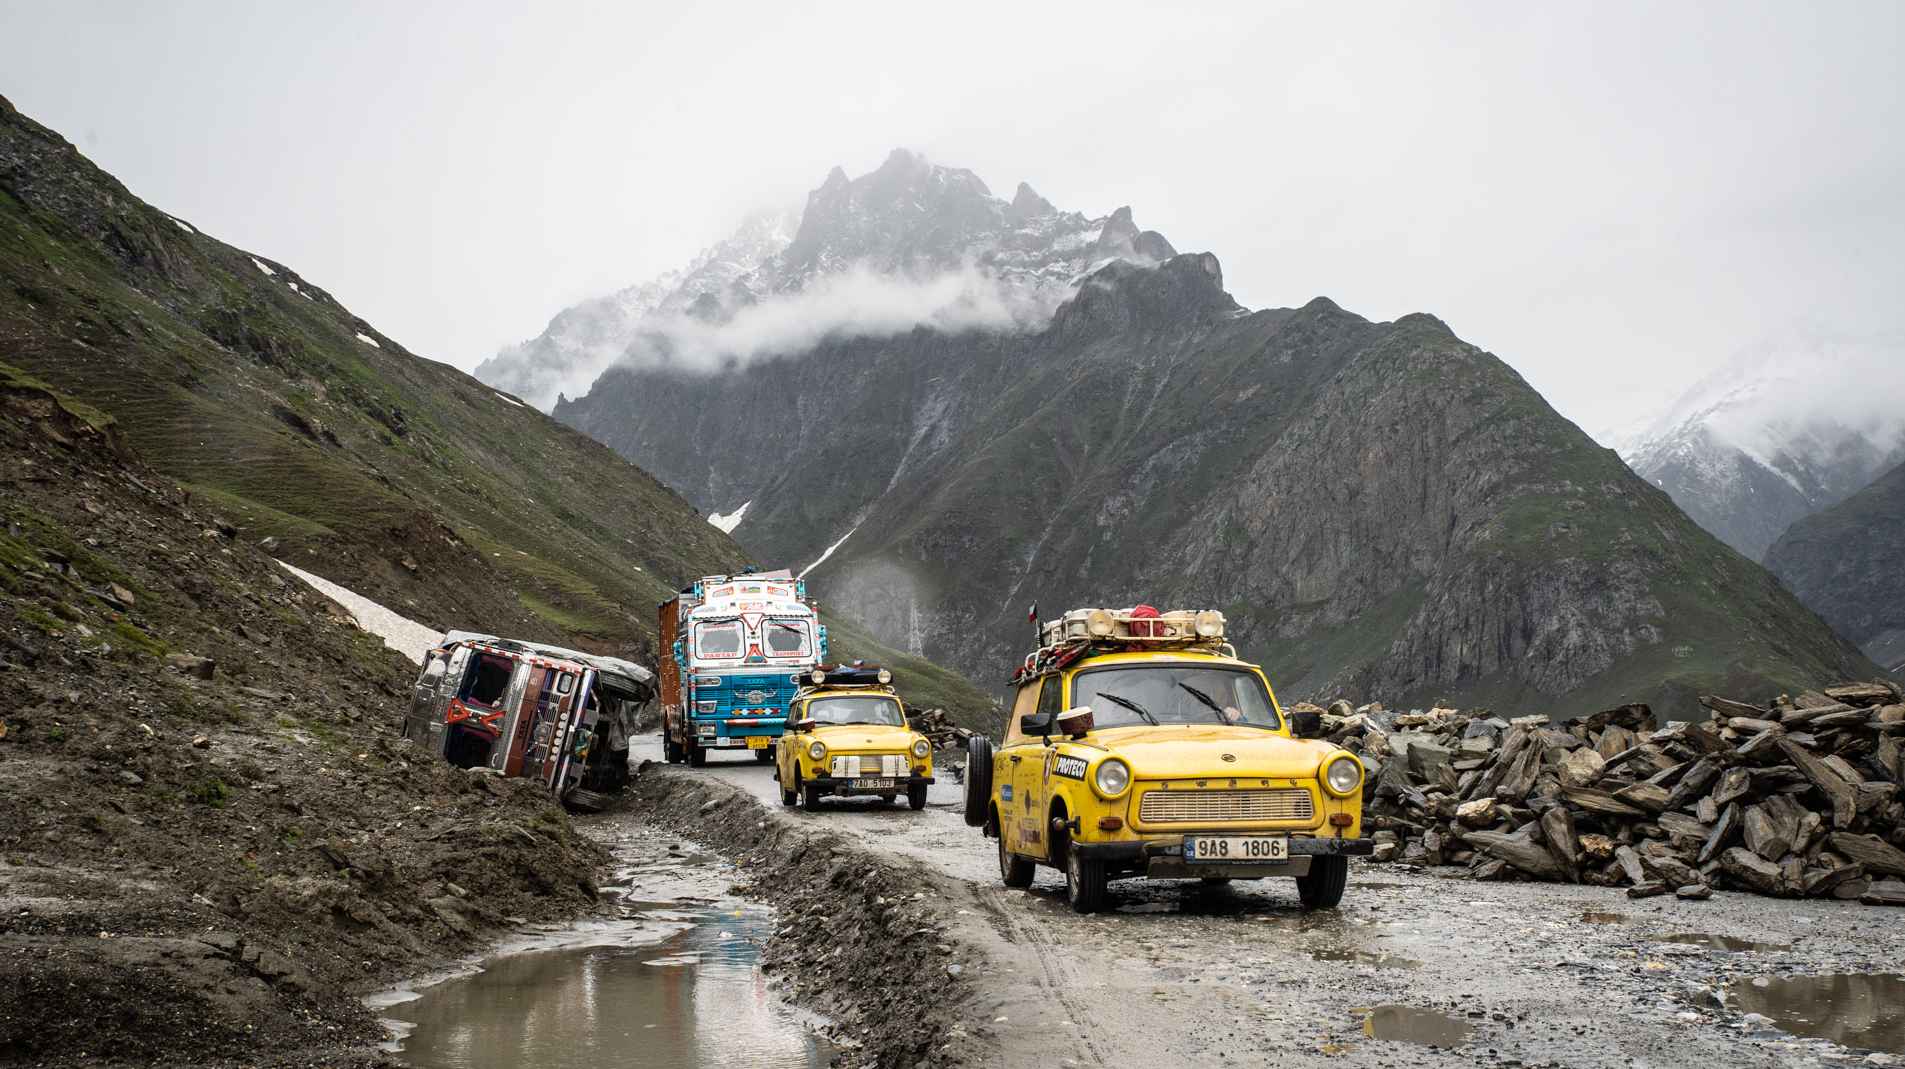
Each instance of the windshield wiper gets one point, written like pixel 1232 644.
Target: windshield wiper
pixel 1133 706
pixel 1206 699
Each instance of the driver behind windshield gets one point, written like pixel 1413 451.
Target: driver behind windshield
pixel 867 709
pixel 1158 695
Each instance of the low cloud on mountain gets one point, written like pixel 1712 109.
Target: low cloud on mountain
pixel 857 302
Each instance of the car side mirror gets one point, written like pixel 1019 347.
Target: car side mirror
pixel 1305 724
pixel 1036 724
pixel 805 725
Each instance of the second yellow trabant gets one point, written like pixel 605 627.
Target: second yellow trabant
pixel 1139 745
pixel 847 735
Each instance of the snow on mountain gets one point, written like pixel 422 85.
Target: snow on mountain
pixel 909 243
pixel 583 339
pixel 1781 431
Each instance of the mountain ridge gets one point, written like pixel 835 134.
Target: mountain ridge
pixel 1847 562
pixel 1382 509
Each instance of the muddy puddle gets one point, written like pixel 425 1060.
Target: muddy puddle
pixel 1711 941
pixel 1410 1024
pixel 1379 958
pixel 1860 1010
pixel 673 983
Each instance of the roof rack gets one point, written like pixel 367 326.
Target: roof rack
pixel 1064 640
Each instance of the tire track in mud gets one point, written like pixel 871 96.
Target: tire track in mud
pixel 1051 962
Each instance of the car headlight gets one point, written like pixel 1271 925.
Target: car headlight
pixel 1343 774
pixel 1112 778
pixel 921 747
pixel 884 676
pixel 816 750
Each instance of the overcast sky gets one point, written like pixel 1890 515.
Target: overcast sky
pixel 1614 198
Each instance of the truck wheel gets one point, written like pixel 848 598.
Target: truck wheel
pixel 790 795
pixel 978 780
pixel 810 798
pixel 916 796
pixel 1085 878
pixel 696 755
pixel 670 749
pixel 1014 871
pixel 1323 887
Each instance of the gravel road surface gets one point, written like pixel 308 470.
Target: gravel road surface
pixel 1415 967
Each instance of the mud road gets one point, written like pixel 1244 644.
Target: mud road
pixel 1415 968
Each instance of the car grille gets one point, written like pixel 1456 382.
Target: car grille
pixel 854 766
pixel 1176 807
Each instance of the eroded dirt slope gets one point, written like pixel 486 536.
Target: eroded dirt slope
pixel 205 860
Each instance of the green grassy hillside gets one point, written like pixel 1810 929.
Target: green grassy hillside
pixel 286 415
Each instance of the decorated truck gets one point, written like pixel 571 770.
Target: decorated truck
pixel 558 716
pixel 735 648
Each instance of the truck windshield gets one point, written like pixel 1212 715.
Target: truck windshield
pixel 859 709
pixel 785 638
pixel 1174 694
pixel 722 639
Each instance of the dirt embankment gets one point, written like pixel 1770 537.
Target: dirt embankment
pixel 868 940
pixel 211 838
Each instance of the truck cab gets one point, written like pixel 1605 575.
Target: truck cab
pixel 736 648
pixel 559 716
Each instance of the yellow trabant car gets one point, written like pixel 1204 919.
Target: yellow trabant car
pixel 1140 746
pixel 847 735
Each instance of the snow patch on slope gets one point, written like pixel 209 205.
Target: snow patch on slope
pixel 727 522
pixel 829 553
pixel 400 633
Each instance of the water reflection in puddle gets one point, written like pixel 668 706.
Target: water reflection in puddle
pixel 1407 1024
pixel 1378 958
pixel 1718 942
pixel 697 999
pixel 1595 916
pixel 1856 1009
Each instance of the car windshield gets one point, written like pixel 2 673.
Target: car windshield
pixel 857 709
pixel 1174 694
pixel 785 638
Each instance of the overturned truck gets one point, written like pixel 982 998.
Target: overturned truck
pixel 560 717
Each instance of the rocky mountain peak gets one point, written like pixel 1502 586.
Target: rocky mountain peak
pixel 909 222
pixel 1123 295
pixel 1027 204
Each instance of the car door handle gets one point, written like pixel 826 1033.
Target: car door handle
pixel 1016 759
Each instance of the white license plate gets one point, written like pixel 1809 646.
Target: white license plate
pixel 872 784
pixel 1236 849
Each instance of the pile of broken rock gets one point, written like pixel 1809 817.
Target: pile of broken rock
pixel 938 727
pixel 1800 798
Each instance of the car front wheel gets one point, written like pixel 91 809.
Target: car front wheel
pixel 1323 887
pixel 1014 871
pixel 1085 878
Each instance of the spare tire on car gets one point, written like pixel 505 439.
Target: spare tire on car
pixel 978 780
